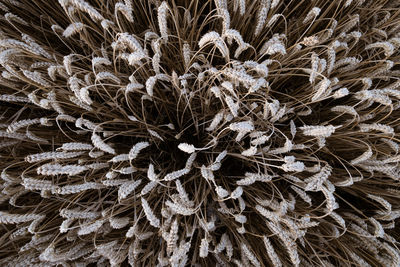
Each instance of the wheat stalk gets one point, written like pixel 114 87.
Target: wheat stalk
pixel 174 133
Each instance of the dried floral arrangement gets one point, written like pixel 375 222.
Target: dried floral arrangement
pixel 199 133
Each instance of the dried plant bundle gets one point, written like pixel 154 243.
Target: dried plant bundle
pixel 199 133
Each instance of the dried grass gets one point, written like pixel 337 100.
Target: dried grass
pixel 202 133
